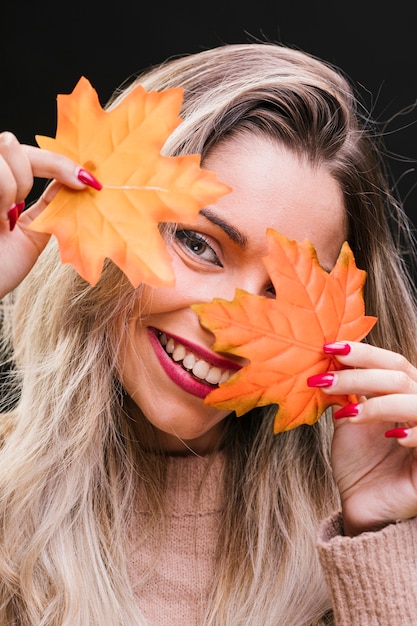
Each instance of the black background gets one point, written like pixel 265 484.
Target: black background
pixel 45 47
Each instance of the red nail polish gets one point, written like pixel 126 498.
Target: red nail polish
pixel 20 207
pixel 321 380
pixel 336 347
pixel 88 179
pixel 13 215
pixel 398 433
pixel 350 410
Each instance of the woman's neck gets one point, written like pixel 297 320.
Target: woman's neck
pixel 161 442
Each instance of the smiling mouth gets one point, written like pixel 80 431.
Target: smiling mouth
pixel 194 365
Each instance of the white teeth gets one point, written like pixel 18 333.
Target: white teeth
pixel 189 361
pixel 200 368
pixel 170 346
pixel 225 376
pixel 179 352
pixel 214 375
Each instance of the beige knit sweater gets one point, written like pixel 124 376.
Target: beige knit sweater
pixel 372 579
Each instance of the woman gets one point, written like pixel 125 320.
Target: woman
pixel 124 498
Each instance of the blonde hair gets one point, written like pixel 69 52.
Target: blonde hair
pixel 69 465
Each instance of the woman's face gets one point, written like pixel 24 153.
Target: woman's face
pixel 167 364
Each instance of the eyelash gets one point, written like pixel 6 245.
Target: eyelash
pixel 190 239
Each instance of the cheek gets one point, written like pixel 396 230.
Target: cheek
pixel 150 301
pixel 187 290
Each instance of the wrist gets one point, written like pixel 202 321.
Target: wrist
pixel 353 527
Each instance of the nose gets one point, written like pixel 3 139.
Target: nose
pixel 259 284
pixel 252 280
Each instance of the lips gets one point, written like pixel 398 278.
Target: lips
pixel 193 369
pixel 192 363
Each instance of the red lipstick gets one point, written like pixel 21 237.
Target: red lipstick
pixel 181 377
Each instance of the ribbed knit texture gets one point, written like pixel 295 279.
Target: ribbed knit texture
pixel 175 593
pixel 372 578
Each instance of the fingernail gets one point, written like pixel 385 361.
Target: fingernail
pixel 336 347
pixel 321 380
pixel 350 410
pixel 398 433
pixel 20 207
pixel 88 179
pixel 12 215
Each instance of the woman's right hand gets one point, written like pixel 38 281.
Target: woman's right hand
pixel 19 165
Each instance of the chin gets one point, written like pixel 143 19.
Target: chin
pixel 199 441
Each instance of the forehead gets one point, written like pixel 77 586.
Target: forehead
pixel 274 188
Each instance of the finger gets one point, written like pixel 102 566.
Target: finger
pixel 363 355
pixel 15 171
pixel 47 164
pixel 389 408
pixel 20 163
pixel 35 209
pixel 366 382
pixel 407 437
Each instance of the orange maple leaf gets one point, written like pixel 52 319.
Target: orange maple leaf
pixel 282 338
pixel 141 188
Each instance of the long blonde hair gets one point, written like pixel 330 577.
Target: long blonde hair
pixel 68 466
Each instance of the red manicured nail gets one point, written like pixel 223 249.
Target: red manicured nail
pixel 321 380
pixel 20 207
pixel 13 215
pixel 398 433
pixel 336 347
pixel 88 179
pixel 350 410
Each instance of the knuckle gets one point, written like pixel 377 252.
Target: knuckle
pixel 7 140
pixel 373 407
pixel 401 380
pixel 400 362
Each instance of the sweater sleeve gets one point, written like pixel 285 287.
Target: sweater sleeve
pixel 372 578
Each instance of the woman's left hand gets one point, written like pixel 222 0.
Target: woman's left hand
pixel 374 452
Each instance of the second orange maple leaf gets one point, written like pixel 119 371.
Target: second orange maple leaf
pixel 283 338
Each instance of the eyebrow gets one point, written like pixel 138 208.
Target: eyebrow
pixel 235 235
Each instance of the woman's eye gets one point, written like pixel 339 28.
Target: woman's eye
pixel 197 245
